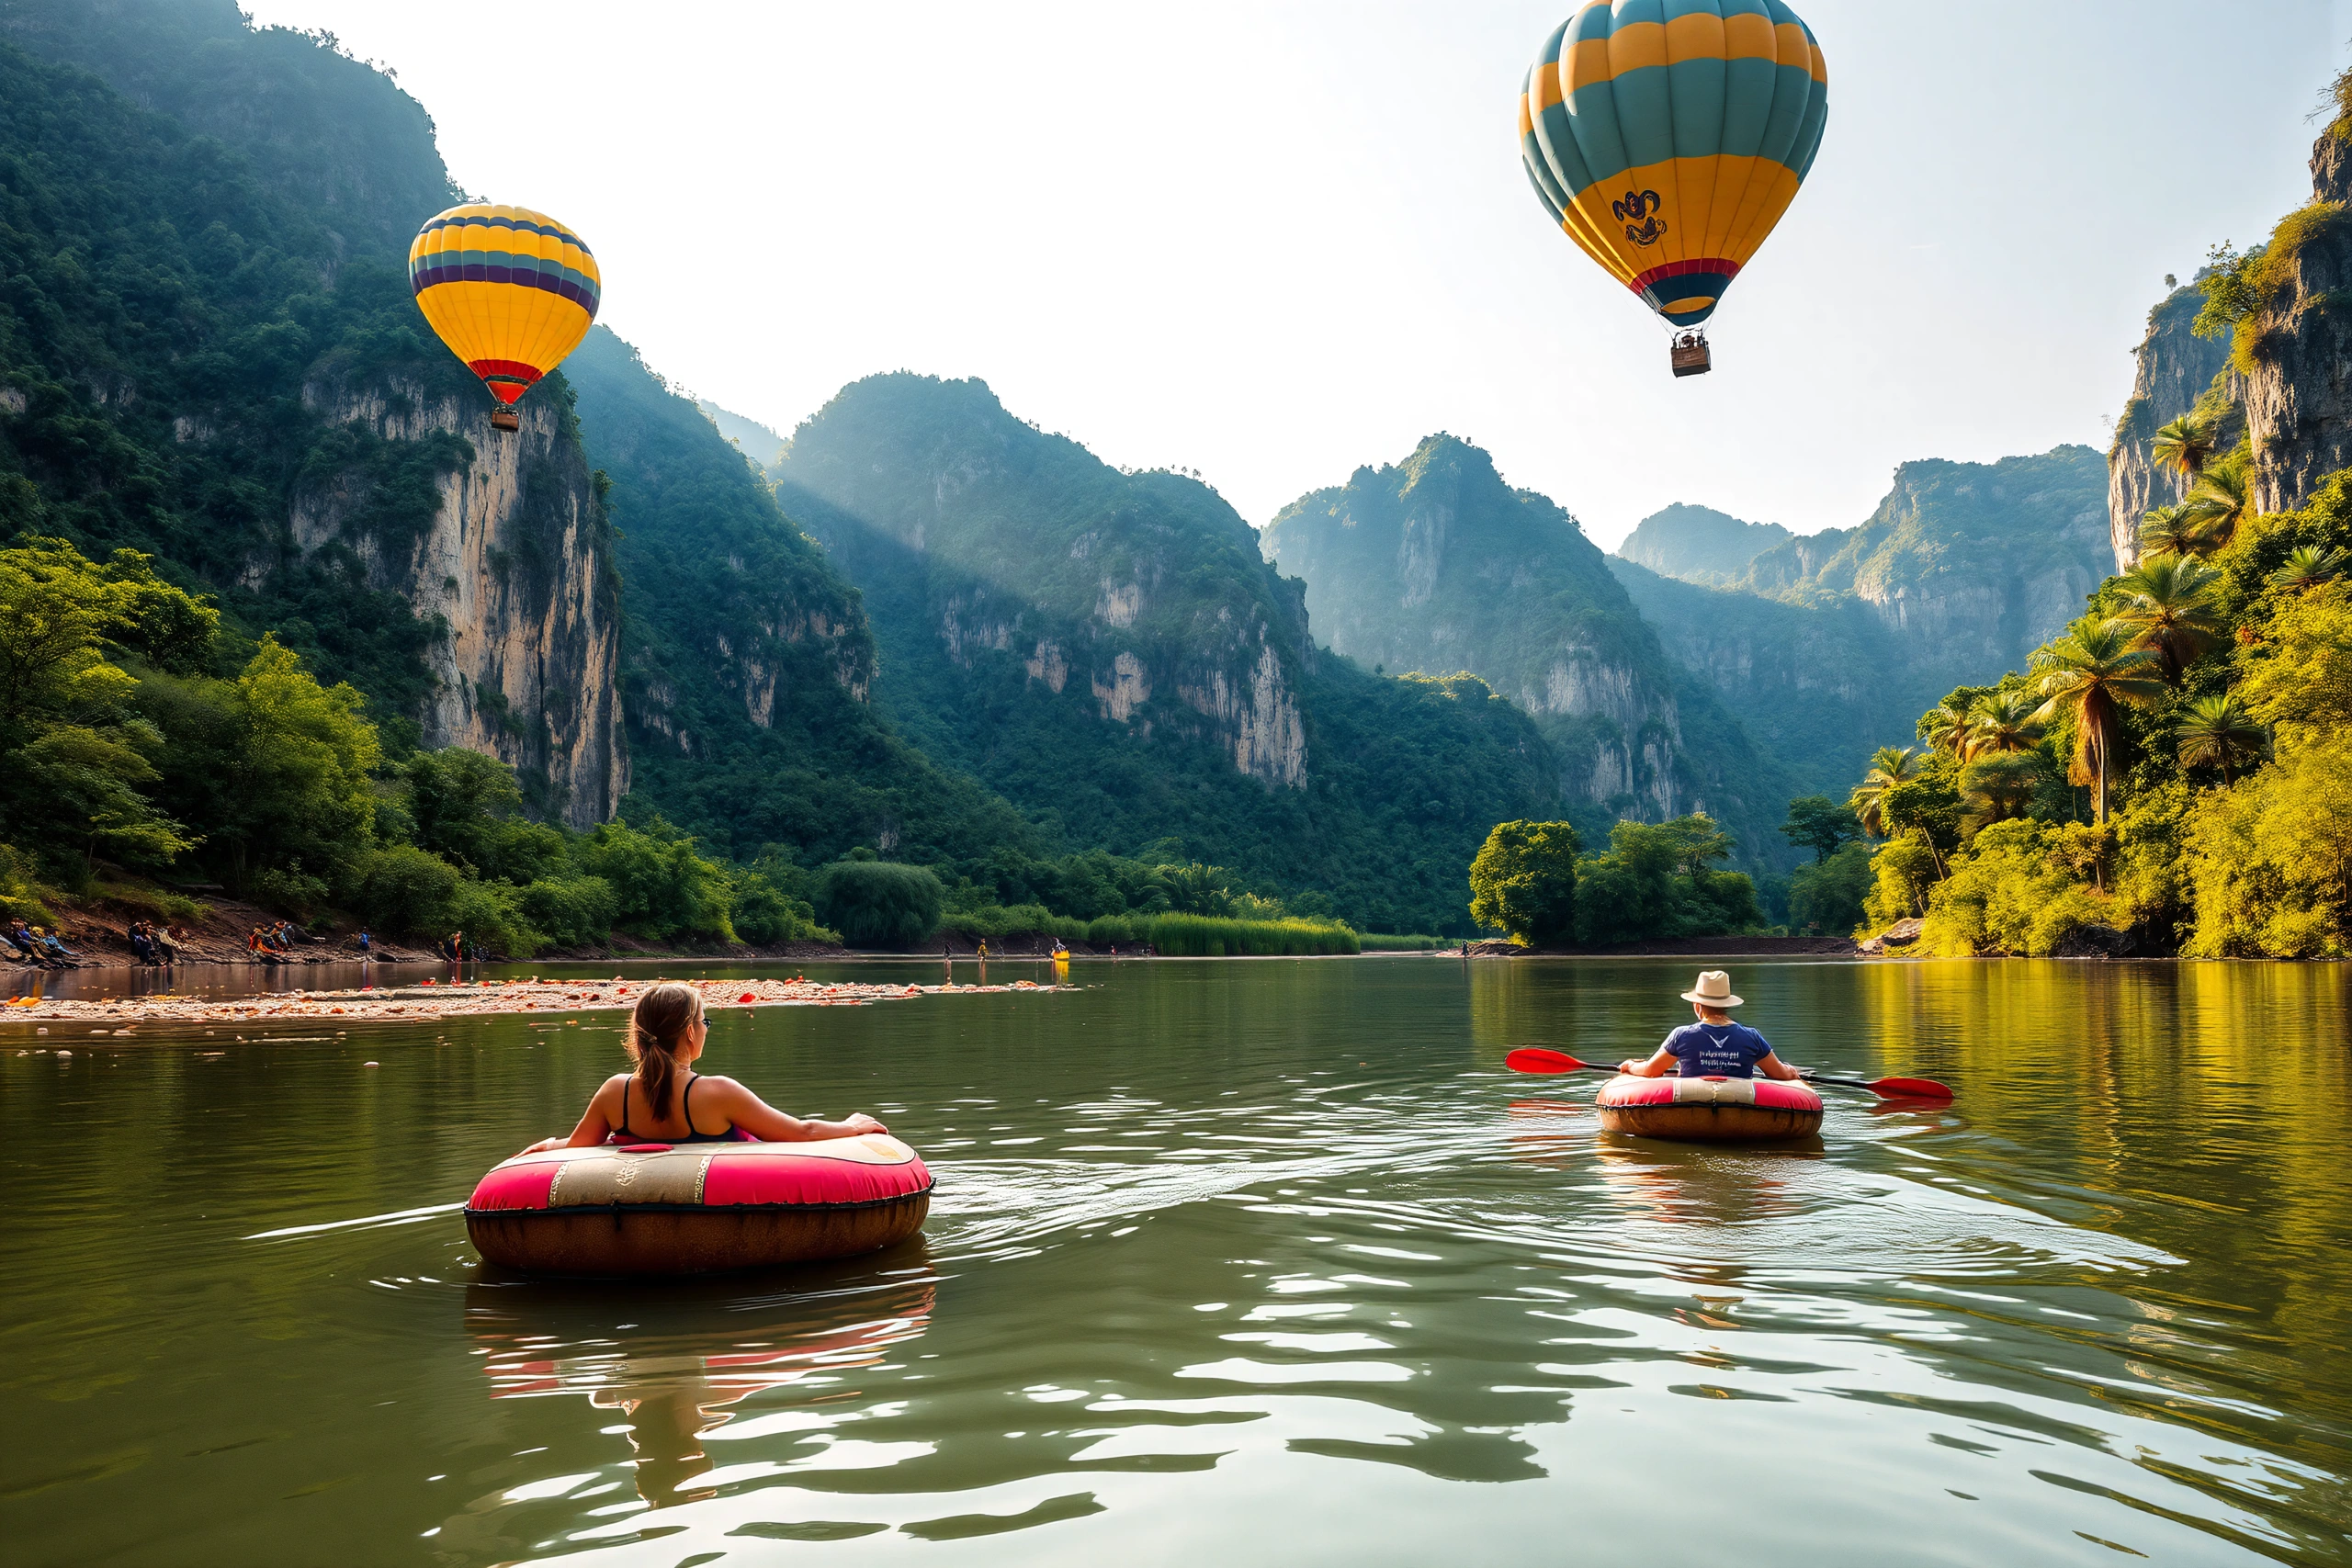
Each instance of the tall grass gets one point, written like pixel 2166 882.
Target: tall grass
pixel 1175 936
pixel 1375 942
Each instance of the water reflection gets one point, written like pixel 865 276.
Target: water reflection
pixel 675 1383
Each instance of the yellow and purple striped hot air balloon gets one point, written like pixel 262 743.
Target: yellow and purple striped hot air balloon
pixel 1668 137
pixel 510 290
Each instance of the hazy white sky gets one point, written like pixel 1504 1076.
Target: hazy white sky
pixel 1272 242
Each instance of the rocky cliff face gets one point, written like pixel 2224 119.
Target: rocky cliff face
pixel 2298 394
pixel 1436 565
pixel 1699 544
pixel 1971 565
pixel 2175 369
pixel 1819 685
pixel 514 564
pixel 1145 603
pixel 1830 645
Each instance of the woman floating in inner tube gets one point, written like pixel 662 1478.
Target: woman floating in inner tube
pixel 657 1103
pixel 1714 1046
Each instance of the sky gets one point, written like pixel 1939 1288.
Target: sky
pixel 1275 243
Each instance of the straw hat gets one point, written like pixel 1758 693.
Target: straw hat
pixel 1713 990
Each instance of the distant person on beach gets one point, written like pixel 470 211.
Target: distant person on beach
pixel 143 947
pixel 367 943
pixel 454 950
pixel 166 942
pixel 1714 1047
pixel 21 938
pixel 52 945
pixel 663 1100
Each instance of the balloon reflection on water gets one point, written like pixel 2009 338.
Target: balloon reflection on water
pixel 547 1340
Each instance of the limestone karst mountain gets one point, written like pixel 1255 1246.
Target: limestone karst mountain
pixel 1111 653
pixel 1436 564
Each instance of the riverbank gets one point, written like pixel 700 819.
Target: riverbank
pixel 1686 947
pixel 428 1000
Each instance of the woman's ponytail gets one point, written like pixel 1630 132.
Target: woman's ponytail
pixel 655 1031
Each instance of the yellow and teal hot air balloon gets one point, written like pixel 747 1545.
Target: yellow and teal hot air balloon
pixel 1668 137
pixel 510 290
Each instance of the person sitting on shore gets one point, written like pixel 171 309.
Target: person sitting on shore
pixel 141 948
pixel 367 943
pixel 52 945
pixel 21 937
pixel 166 945
pixel 663 1100
pixel 1714 1046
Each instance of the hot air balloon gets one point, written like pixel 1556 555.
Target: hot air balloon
pixel 510 290
pixel 1668 137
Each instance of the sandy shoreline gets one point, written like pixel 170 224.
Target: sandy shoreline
pixel 412 1003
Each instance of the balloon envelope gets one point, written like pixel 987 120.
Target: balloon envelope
pixel 1667 137
pixel 510 290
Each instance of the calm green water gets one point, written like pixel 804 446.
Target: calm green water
pixel 1231 1262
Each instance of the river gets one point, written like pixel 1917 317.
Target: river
pixel 1231 1262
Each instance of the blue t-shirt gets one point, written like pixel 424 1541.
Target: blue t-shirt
pixel 1717 1050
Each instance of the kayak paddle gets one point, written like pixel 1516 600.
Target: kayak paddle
pixel 1541 1059
pixel 1888 1088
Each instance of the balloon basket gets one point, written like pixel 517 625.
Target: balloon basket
pixel 1691 356
pixel 507 418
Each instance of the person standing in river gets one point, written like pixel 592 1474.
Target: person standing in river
pixel 1714 1047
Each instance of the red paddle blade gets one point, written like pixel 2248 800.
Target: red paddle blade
pixel 1911 1088
pixel 1536 1059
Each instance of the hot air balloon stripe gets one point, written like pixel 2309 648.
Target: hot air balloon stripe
pixel 510 290
pixel 1667 137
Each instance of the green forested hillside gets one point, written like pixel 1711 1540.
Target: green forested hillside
pixel 747 657
pixel 1827 644
pixel 1698 544
pixel 758 444
pixel 1111 652
pixel 164 303
pixel 1435 565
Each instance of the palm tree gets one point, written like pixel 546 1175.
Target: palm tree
pixel 2164 530
pixel 2090 673
pixel 1947 728
pixel 2224 498
pixel 2000 786
pixel 2184 446
pixel 1889 765
pixel 2171 611
pixel 2309 567
pixel 2219 733
pixel 2001 721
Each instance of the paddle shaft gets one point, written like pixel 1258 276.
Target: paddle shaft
pixel 1544 1059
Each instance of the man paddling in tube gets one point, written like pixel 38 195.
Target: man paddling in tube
pixel 1714 1047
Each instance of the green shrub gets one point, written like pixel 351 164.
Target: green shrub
pixel 569 911
pixel 762 912
pixel 879 903
pixel 20 894
pixel 491 913
pixel 1376 942
pixel 2008 894
pixel 1524 881
pixel 406 891
pixel 661 887
pixel 1902 874
pixel 1213 936
pixel 1829 894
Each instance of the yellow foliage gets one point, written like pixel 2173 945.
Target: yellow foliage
pixel 2008 894
pixel 1902 873
pixel 2273 859
pixel 2300 678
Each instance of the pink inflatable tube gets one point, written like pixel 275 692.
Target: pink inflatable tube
pixel 1709 1110
pixel 697 1208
